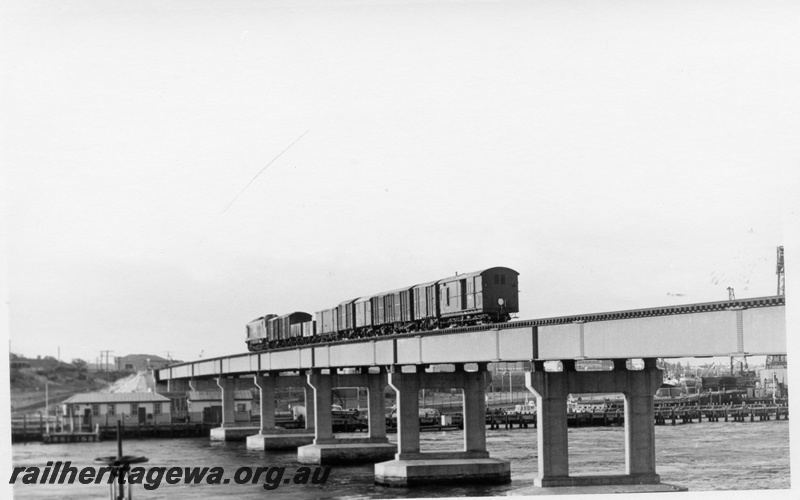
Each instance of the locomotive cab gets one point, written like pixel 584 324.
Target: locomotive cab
pixel 257 333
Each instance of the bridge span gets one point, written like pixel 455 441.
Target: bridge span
pixel 735 327
pixel 746 327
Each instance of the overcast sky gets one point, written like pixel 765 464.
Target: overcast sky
pixel 616 154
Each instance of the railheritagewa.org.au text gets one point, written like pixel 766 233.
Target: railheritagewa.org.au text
pixel 152 477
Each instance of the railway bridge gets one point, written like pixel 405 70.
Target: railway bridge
pixel 739 328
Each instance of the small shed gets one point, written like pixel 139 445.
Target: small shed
pixel 105 408
pixel 206 406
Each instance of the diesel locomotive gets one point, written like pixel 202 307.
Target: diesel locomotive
pixel 487 296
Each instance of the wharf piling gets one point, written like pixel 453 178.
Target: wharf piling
pixel 664 415
pixel 103 432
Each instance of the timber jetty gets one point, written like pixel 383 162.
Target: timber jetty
pixel 664 415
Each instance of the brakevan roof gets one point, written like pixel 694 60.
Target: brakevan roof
pixel 216 395
pixel 116 397
pixel 476 273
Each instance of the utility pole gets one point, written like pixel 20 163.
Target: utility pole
pixel 106 362
pixel 731 295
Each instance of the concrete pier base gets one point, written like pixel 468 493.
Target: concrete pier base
pixel 597 490
pixel 437 470
pixel 280 439
pixel 346 451
pixel 232 433
pixel 604 480
pixel 551 390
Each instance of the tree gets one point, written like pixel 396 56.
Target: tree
pixel 81 367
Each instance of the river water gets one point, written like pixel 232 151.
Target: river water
pixel 701 456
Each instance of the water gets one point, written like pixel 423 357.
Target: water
pixel 705 456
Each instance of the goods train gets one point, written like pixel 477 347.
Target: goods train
pixel 488 296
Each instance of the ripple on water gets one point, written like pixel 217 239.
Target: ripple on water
pixel 705 456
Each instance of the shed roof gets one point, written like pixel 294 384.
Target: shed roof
pixel 134 358
pixel 116 397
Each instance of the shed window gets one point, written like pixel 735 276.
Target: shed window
pixel 111 410
pixel 157 408
pixel 96 410
pixel 134 408
pixel 241 407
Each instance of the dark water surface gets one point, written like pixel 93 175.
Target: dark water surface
pixel 704 456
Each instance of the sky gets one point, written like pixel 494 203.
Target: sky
pixel 175 169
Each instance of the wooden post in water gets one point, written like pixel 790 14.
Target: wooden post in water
pixel 121 495
pixel 47 407
pixel 119 440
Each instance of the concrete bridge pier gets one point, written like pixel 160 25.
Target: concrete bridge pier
pixel 411 467
pixel 230 429
pixel 327 448
pixel 269 436
pixel 551 390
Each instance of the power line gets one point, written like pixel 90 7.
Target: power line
pixel 106 353
pixel 261 171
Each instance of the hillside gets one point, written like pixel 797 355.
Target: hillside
pixel 29 377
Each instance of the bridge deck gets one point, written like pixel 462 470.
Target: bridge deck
pixel 734 327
